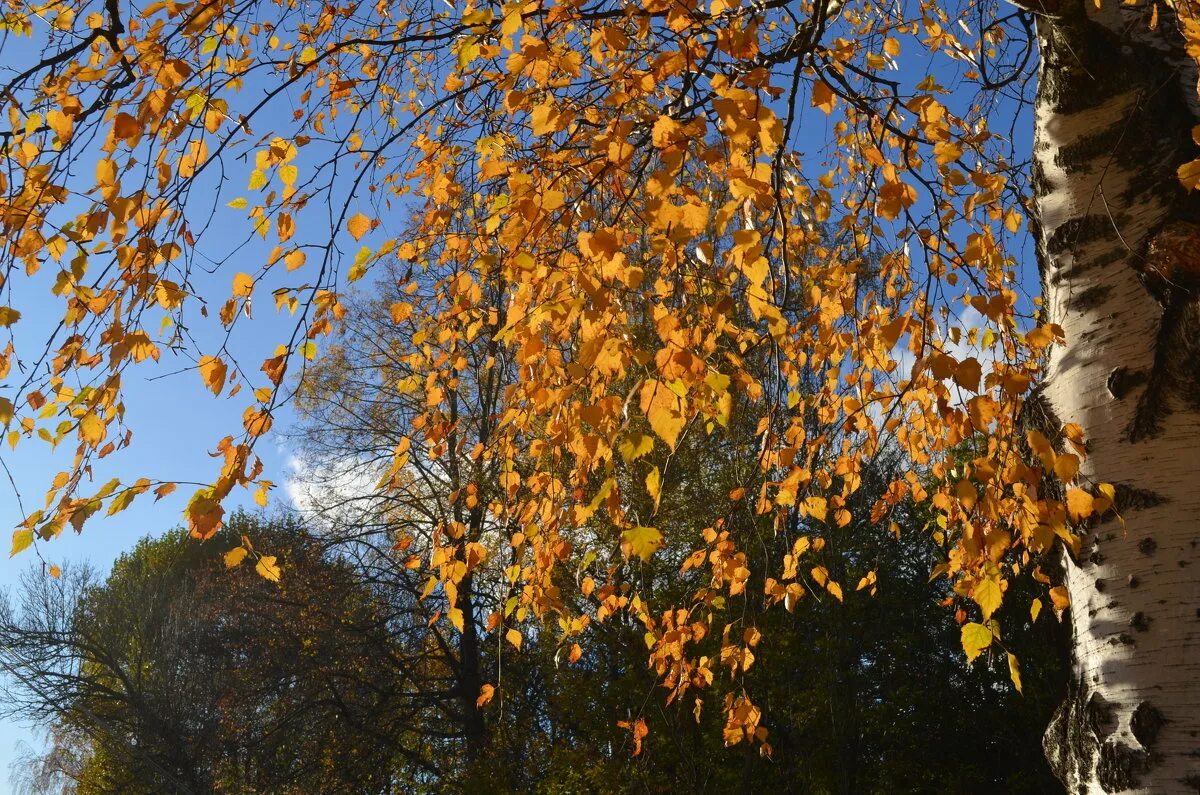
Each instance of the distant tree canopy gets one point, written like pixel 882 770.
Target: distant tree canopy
pixel 178 675
pixel 174 675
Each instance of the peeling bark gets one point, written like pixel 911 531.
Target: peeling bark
pixel 1120 243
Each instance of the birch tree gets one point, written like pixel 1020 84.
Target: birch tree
pixel 1116 106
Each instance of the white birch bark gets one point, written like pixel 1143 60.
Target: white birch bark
pixel 1121 252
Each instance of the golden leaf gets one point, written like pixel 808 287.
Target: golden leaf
pixel 664 411
pixel 358 225
pixel 988 595
pixel 212 370
pixel 267 568
pixel 1014 672
pixel 975 638
pixel 92 429
pixel 641 541
pixel 1079 504
pixel 243 285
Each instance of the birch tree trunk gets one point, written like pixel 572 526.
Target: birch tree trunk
pixel 1120 245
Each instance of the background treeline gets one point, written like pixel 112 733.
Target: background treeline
pixel 354 674
pixel 176 675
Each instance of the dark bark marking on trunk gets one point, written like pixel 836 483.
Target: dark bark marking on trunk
pixel 1121 381
pixel 1146 723
pixel 1090 298
pixel 1121 765
pixel 1131 498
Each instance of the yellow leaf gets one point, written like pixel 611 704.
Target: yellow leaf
pixel 543 119
pixel 400 312
pixel 21 540
pixel 456 618
pixel 212 370
pixel 834 589
pixel 823 97
pixel 126 126
pixel 1060 598
pixel 92 429
pixel 988 596
pixel 1189 174
pixel 468 50
pixel 267 568
pixel 816 507
pixel 968 373
pixel 514 637
pixel 1066 466
pixel 294 259
pixel 654 485
pixel 664 411
pixel 1107 498
pixel 243 285
pixel 204 514
pixel 634 446
pixel 8 316
pixel 641 541
pixel 1014 672
pixel 485 696
pixel 258 180
pixel 358 225
pixel 235 556
pixel 106 173
pixel 975 638
pixel 1079 504
pixel 256 422
pixel 55 571
pixel 946 152
pixel 1035 609
pixel 238 204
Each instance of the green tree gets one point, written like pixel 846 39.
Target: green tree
pixel 185 677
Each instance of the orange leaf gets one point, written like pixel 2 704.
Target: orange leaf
pixel 212 370
pixel 358 225
pixel 1079 504
pixel 243 285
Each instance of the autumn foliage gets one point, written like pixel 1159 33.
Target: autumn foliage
pixel 791 228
